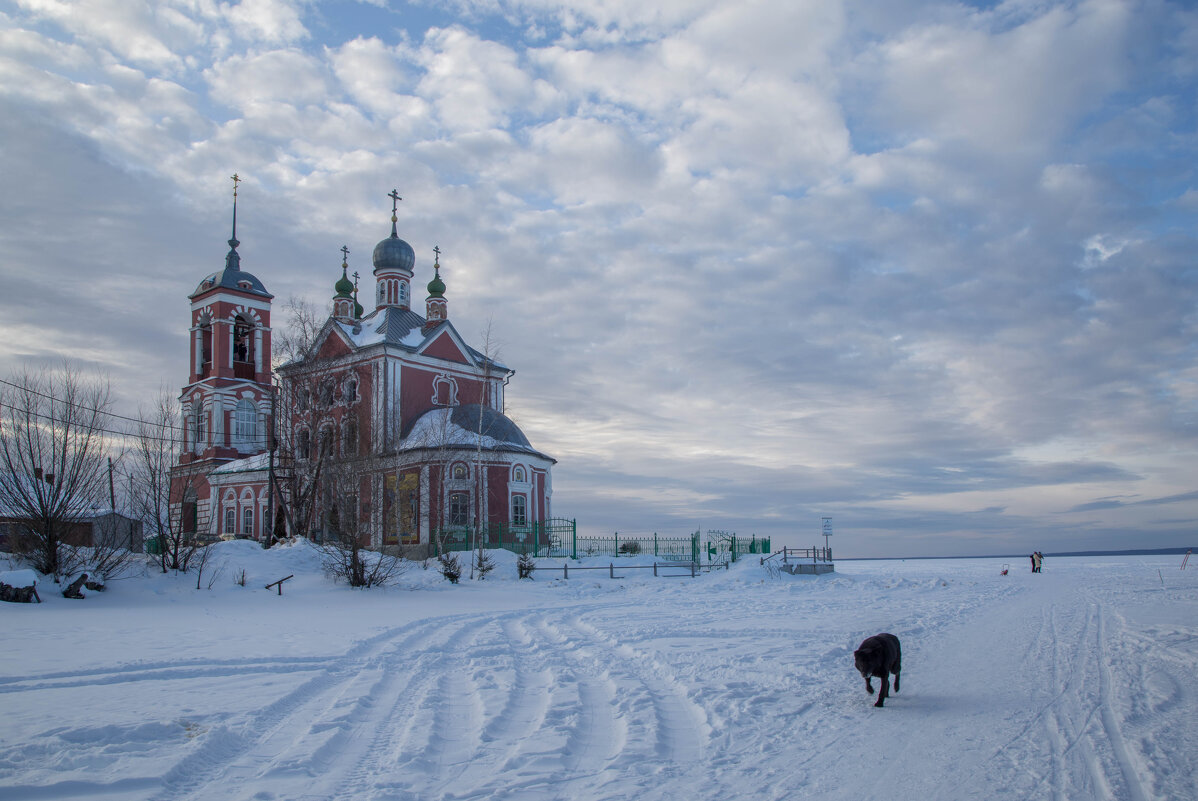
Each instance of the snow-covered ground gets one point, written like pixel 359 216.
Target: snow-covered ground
pixel 1077 683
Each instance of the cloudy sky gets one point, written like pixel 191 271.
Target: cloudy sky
pixel 927 268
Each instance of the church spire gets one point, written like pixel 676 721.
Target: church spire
pixel 436 307
pixel 343 302
pixel 233 259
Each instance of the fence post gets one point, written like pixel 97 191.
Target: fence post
pixel 655 549
pixel 617 538
pixel 655 568
pixel 566 570
pixel 574 541
pixel 611 569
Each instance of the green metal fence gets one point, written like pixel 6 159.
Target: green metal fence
pixel 670 549
pixel 553 537
pixel 725 546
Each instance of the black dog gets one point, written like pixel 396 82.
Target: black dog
pixel 879 656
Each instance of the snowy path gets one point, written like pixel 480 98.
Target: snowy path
pixel 1078 683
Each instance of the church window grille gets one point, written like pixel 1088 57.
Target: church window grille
pixel 459 505
pixel 519 510
pixel 245 422
pixel 247 521
pixel 230 521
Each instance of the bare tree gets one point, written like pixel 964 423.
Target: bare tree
pixel 294 339
pixel 490 350
pixel 164 496
pixel 52 459
pixel 345 548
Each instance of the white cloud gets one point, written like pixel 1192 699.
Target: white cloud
pixel 275 76
pixel 271 21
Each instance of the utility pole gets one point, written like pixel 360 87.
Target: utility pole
pixel 270 468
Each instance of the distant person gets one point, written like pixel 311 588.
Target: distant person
pixel 1037 561
pixel 1033 558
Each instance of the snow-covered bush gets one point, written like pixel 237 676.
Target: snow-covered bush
pixel 483 564
pixel 450 567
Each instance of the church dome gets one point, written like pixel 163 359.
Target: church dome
pixel 436 287
pixel 394 254
pixel 344 286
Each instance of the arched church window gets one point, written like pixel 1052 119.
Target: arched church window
pixel 247 521
pixel 459 508
pixel 327 392
pixel 243 343
pixel 205 346
pixel 245 422
pixel 303 445
pixel 200 433
pixel 519 510
pixel 351 389
pixel 326 441
pixel 349 436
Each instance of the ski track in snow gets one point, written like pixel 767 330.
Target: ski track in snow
pixel 1021 690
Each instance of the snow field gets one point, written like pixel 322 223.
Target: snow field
pixel 1076 683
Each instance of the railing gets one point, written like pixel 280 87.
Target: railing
pixel 723 545
pixel 789 555
pixel 672 549
pixel 692 569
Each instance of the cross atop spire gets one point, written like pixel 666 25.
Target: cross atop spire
pixel 233 258
pixel 395 198
pixel 345 255
pixel 437 255
pixel 236 180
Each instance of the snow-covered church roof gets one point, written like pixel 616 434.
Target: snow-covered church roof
pixel 471 425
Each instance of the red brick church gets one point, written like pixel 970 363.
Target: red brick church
pixel 388 426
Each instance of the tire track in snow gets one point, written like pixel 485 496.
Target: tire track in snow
pixel 681 725
pixel 160 671
pixel 1110 721
pixel 300 732
pixel 595 735
pixel 387 749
